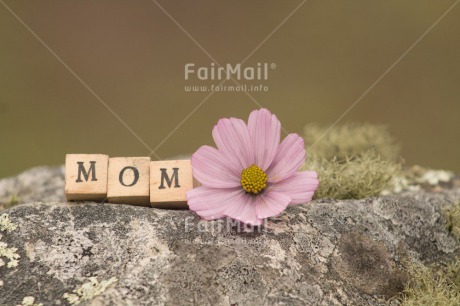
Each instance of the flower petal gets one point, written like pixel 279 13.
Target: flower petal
pixel 271 203
pixel 300 186
pixel 232 139
pixel 289 157
pixel 244 210
pixel 265 130
pixel 210 203
pixel 212 169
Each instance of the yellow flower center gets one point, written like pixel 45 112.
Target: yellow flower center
pixel 253 179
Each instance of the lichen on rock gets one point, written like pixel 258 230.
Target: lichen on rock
pixel 88 290
pixel 7 253
pixel 6 224
pixel 29 301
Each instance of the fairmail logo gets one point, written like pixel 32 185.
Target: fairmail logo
pixel 227 72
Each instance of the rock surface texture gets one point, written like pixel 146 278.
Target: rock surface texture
pixel 323 253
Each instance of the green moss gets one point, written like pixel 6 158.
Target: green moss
pixel 14 200
pixel 351 140
pixel 352 161
pixel 432 286
pixel 355 178
pixel 452 215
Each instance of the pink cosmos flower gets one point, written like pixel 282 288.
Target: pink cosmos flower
pixel 251 175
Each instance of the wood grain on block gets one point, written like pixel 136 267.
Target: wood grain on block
pixel 169 182
pixel 129 180
pixel 86 177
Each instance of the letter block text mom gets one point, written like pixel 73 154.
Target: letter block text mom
pixel 130 180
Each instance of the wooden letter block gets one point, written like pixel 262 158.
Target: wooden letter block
pixel 86 177
pixel 129 180
pixel 169 182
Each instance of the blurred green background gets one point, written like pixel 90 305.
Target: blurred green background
pixel 327 54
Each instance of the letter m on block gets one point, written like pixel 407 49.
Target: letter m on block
pixel 86 177
pixel 82 171
pixel 169 180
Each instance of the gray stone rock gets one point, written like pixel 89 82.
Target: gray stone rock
pixel 40 184
pixel 324 253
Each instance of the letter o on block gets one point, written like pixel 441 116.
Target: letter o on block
pixel 86 177
pixel 129 179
